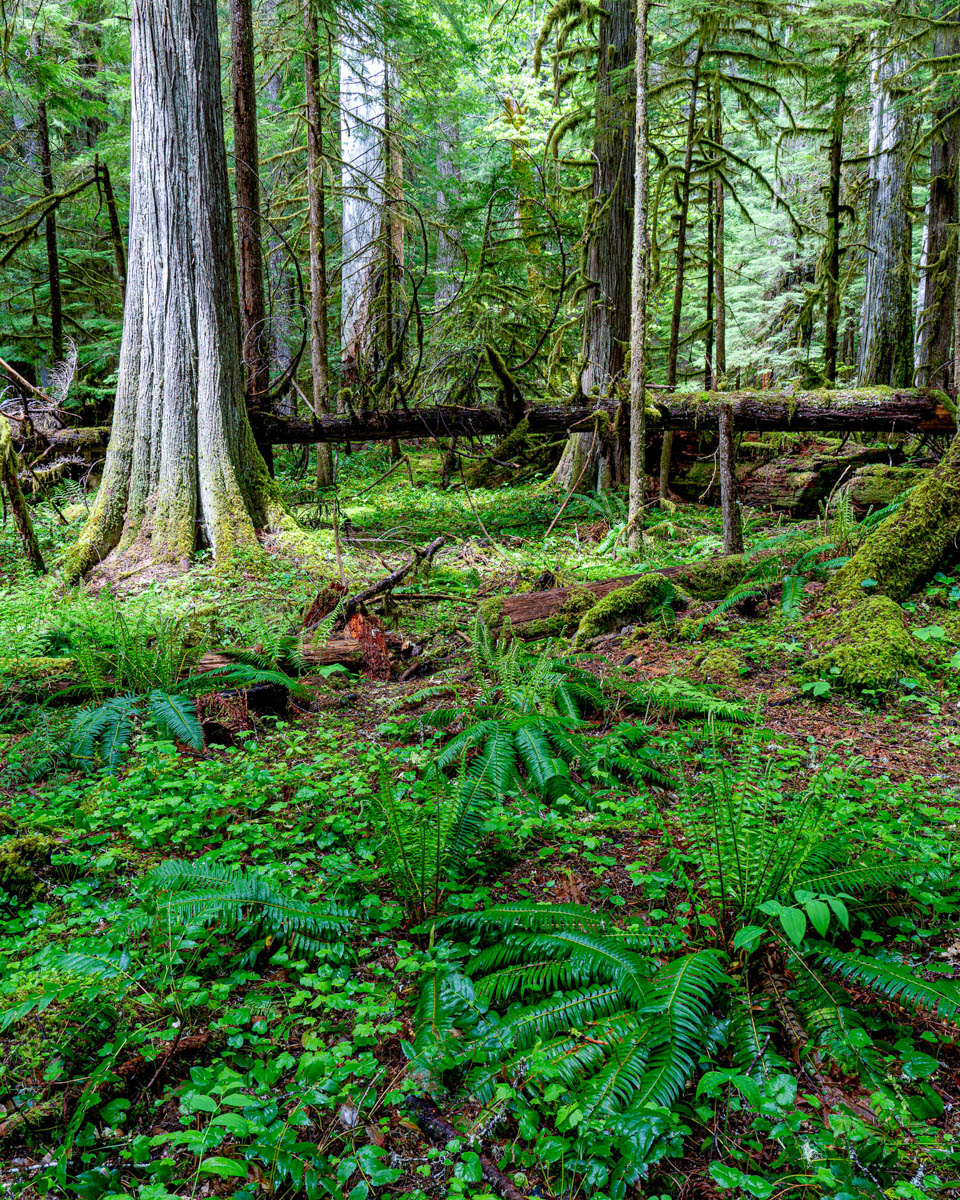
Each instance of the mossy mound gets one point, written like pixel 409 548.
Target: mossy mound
pixel 713 578
pixel 865 647
pixel 637 602
pixel 21 859
pixel 720 665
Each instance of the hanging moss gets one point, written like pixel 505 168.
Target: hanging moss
pixel 639 601
pixel 867 646
pixel 20 861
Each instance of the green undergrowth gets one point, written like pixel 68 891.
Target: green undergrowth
pixel 627 939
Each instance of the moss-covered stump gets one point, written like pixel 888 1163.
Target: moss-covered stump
pixel 21 860
pixel 720 665
pixel 518 450
pixel 910 544
pixel 866 647
pixel 636 603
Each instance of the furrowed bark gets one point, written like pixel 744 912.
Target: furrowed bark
pixel 182 468
pixel 638 314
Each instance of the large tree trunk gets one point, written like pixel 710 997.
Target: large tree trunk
pixel 638 287
pixel 246 153
pixel 673 349
pixel 50 232
pixel 939 265
pixel 182 468
pixel 316 200
pixel 362 123
pixel 606 324
pixel 886 326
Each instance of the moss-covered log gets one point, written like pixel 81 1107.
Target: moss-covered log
pixel 560 611
pixel 909 545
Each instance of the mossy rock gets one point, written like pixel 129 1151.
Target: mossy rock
pixel 720 665
pixel 639 601
pixel 865 647
pixel 21 859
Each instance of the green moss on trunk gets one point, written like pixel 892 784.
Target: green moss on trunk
pixel 865 647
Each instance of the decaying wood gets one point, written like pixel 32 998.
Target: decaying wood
pixel 438 1129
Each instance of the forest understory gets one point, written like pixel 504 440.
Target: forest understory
pixel 664 911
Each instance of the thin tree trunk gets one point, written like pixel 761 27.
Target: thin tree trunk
pixel 832 317
pixel 253 311
pixel 886 327
pixel 939 266
pixel 729 508
pixel 673 349
pixel 638 280
pixel 709 376
pixel 182 468
pixel 10 483
pixel 362 121
pixel 116 236
pixel 316 200
pixel 50 233
pixel 720 281
pixel 448 238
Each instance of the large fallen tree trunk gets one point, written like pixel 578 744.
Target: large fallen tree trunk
pixel 864 410
pixel 870 409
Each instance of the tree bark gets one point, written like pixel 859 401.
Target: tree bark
pixel 316 200
pixel 448 238
pixel 50 235
pixel 673 348
pixel 886 326
pixel 246 152
pixel 607 304
pixel 638 282
pixel 720 280
pixel 939 265
pixel 182 468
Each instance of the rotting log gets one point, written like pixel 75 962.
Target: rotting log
pixel 877 410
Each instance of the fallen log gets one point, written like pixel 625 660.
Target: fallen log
pixel 862 410
pixel 343 651
pixel 877 410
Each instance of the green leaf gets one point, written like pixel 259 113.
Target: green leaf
pixel 226 1168
pixel 794 924
pixel 748 938
pixel 819 914
pixel 839 910
pixel 114 1111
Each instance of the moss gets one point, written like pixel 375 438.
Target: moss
pixel 638 601
pixel 20 861
pixel 866 646
pixel 720 665
pixel 908 546
pixel 712 579
pixel 491 612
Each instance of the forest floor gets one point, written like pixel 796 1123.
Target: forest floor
pixel 197 1036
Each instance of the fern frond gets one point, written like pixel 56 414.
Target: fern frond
pixel 897 982
pixel 177 717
